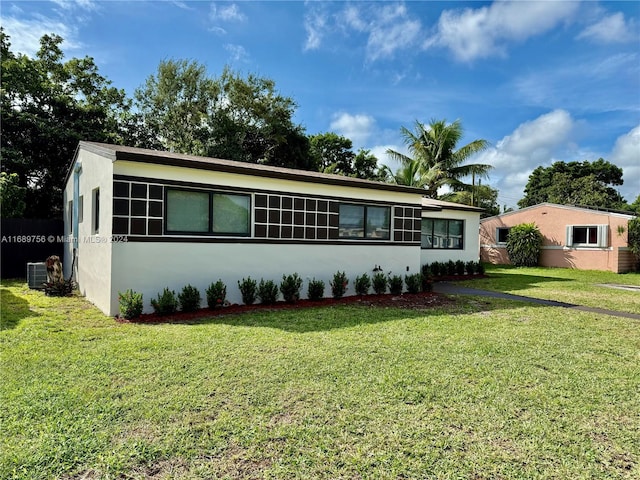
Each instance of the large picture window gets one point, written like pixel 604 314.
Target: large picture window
pixel 442 233
pixel 364 221
pixel 194 211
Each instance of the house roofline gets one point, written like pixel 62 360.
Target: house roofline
pixel 141 155
pixel 601 211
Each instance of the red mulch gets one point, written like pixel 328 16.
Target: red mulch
pixel 413 301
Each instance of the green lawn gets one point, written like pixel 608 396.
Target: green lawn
pixel 580 287
pixel 482 389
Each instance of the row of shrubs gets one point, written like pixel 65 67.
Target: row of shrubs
pixel 267 292
pixel 450 268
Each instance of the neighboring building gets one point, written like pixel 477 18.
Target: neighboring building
pixel 574 237
pixel 146 220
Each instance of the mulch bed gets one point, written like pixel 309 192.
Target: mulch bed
pixel 412 301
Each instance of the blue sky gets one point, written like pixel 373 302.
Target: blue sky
pixel 541 81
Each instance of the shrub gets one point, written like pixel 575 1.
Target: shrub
pixel 248 289
pixel 450 267
pixel 316 290
pixel 380 283
pixel 131 304
pixel 460 267
pixel 339 284
pixel 63 288
pixel 480 268
pixel 395 284
pixel 436 269
pixel 427 281
pixel 290 287
pixel 267 292
pixel 216 294
pixel 523 245
pixel 189 299
pixel 633 238
pixel 166 303
pixel 413 282
pixel 362 285
pixel 470 267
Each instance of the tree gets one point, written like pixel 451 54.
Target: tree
pixel 482 196
pixel 633 232
pixel 12 202
pixel 183 109
pixel 436 161
pixel 575 183
pixel 332 153
pixel 48 106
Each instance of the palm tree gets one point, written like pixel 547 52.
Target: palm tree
pixel 433 160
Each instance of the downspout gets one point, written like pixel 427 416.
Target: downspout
pixel 77 170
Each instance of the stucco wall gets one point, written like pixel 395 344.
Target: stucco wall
pixel 93 262
pixel 471 250
pixel 149 267
pixel 552 220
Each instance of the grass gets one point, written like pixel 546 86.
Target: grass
pixel 579 287
pixel 482 389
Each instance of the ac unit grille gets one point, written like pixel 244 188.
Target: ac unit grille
pixel 36 274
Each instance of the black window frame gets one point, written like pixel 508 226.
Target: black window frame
pixel 498 231
pixel 209 232
pixel 431 220
pixel 365 209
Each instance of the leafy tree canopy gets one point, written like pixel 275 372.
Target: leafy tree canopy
pixel 48 105
pixel 575 183
pixel 482 196
pixel 182 108
pixel 11 196
pixel 332 153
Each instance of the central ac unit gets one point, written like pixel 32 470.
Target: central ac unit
pixel 36 274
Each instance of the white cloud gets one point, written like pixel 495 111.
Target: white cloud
pixel 626 155
pixel 73 4
pixel 389 27
pixel 224 14
pixel 610 29
pixel 238 52
pixel 25 34
pixel 532 144
pixel 484 32
pixel 357 128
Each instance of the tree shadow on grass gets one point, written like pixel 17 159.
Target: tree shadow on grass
pixel 13 309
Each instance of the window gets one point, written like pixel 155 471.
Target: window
pixel 364 221
pixel 202 212
pixel 501 234
pixel 587 235
pixel 442 233
pixel 95 224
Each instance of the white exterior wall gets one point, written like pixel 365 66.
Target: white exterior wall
pixel 148 267
pixel 471 250
pixel 93 259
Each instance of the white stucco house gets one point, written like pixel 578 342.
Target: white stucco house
pixel 145 220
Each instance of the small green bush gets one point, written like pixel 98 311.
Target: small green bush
pixel 460 267
pixel 450 268
pixel 316 290
pixel 427 279
pixel 380 283
pixel 523 245
pixel 339 284
pixel 248 289
pixel 395 284
pixel 413 282
pixel 216 294
pixel 166 303
pixel 363 284
pixel 267 292
pixel 436 269
pixel 131 304
pixel 290 287
pixel 189 298
pixel 470 267
pixel 480 268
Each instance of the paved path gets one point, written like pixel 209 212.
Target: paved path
pixel 453 289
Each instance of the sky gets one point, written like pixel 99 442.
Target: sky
pixel 541 81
